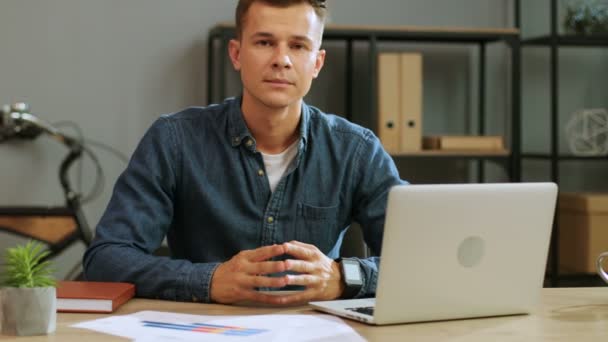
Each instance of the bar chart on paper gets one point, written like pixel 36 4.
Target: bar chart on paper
pixel 205 328
pixel 157 326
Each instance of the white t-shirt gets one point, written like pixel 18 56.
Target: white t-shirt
pixel 276 164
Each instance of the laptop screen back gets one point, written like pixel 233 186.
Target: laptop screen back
pixel 464 250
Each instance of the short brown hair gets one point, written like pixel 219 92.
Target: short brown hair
pixel 319 6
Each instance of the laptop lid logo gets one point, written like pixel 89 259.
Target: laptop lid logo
pixel 471 251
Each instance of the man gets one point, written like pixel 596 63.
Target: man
pixel 254 193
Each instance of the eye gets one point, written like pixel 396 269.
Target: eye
pixel 298 46
pixel 263 43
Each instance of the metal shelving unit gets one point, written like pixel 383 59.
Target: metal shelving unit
pixel 553 41
pixel 373 35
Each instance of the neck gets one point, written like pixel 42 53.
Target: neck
pixel 274 129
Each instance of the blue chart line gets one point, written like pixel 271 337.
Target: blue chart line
pixel 205 328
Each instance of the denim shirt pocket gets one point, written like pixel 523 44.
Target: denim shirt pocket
pixel 317 226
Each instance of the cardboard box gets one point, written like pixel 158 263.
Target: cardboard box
pixel 583 230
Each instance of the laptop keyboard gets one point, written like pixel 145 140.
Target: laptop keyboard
pixel 366 310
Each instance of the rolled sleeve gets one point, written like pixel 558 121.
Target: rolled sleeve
pixel 199 282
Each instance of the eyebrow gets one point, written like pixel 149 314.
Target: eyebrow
pixel 270 35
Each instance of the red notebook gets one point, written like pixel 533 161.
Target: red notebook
pixel 91 296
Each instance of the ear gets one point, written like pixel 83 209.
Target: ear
pixel 319 62
pixel 234 50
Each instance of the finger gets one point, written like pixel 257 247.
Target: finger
pixel 300 266
pixel 300 252
pixel 303 279
pixel 298 298
pixel 260 297
pixel 302 244
pixel 264 253
pixel 252 281
pixel 266 267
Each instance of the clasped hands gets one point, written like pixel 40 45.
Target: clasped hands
pixel 236 280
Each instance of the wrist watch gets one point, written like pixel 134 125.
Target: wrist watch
pixel 352 277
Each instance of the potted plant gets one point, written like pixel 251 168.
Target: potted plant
pixel 586 17
pixel 28 298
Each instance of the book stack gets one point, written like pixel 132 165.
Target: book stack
pixel 400 101
pixel 464 143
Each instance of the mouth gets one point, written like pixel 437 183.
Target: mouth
pixel 278 81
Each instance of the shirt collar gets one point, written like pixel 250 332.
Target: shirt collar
pixel 238 128
pixel 236 124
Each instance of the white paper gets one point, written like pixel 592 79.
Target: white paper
pixel 167 326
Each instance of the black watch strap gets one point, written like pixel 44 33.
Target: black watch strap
pixel 352 276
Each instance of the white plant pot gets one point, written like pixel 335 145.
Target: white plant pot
pixel 28 311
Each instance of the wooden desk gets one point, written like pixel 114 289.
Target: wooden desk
pixel 567 314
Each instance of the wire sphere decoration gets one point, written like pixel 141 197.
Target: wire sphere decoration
pixel 587 132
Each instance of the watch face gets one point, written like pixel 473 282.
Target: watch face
pixel 352 271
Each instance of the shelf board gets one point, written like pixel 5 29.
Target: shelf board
pixel 547 156
pixel 568 40
pixel 454 154
pixel 412 33
pixel 576 280
pixel 35 211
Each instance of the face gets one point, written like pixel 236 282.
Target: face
pixel 278 54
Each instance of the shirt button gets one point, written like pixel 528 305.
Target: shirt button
pixel 260 172
pixel 249 142
pixel 270 219
pixel 235 140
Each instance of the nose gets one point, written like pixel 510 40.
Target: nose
pixel 281 59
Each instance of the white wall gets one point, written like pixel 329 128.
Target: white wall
pixel 114 66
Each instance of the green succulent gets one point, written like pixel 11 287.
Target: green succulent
pixel 26 266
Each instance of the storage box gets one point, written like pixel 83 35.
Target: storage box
pixel 583 230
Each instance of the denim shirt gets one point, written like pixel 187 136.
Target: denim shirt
pixel 197 178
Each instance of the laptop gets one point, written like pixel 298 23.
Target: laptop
pixel 458 251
